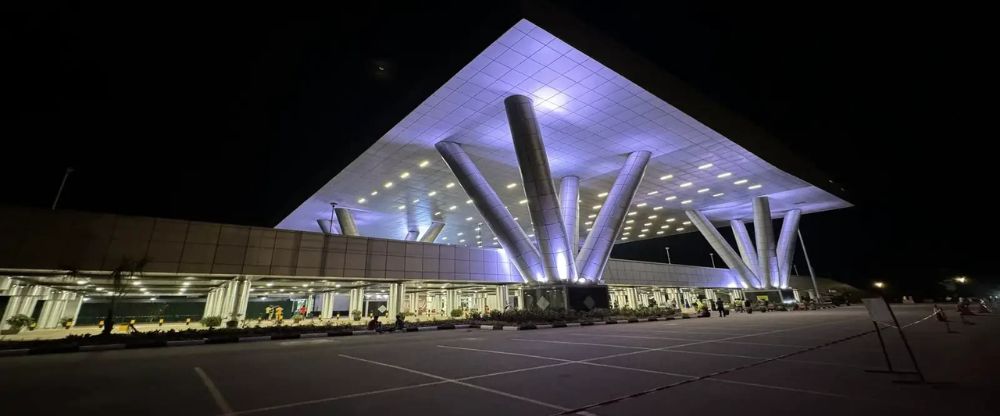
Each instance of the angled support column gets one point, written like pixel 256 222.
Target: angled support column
pixel 346 220
pixel 326 306
pixel 764 231
pixel 720 246
pixel 242 298
pixel 596 248
pixel 543 203
pixel 325 226
pixel 569 203
pixel 511 236
pixel 786 245
pixel 432 232
pixel 411 235
pixel 747 251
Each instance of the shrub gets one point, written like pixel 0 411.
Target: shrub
pixel 19 321
pixel 297 318
pixel 211 321
pixel 456 313
pixel 356 315
pixel 66 322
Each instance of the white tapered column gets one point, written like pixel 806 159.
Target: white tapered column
pixel 747 251
pixel 786 245
pixel 346 220
pixel 764 231
pixel 569 203
pixel 593 256
pixel 432 232
pixel 714 238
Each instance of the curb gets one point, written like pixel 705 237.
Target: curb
pixel 66 348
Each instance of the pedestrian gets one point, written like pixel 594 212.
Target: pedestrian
pixel 721 306
pixel 303 310
pixel 399 322
pixel 269 311
pixel 278 313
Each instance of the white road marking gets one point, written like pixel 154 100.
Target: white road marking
pixel 214 391
pixel 306 341
pixel 688 339
pixel 335 398
pixel 448 380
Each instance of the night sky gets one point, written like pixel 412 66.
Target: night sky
pixel 236 114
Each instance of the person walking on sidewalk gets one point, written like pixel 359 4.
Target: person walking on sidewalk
pixel 721 307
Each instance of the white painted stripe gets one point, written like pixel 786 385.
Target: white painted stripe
pixel 255 339
pixel 335 398
pixel 473 386
pixel 314 335
pixel 184 342
pixel 214 391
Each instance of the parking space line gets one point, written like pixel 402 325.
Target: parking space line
pixel 563 360
pixel 472 386
pixel 768 386
pixel 642 348
pixel 688 339
pixel 214 391
pixel 335 398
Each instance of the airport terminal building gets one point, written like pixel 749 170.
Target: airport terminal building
pixel 520 172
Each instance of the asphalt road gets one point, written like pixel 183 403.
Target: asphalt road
pixel 764 363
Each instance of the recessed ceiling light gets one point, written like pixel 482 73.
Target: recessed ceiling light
pixel 432 193
pixel 511 185
pixel 187 283
pixel 516 218
pixel 705 166
pixel 477 229
pixel 657 208
pixel 374 193
pixel 665 227
pixel 686 201
pixel 702 190
pixel 644 230
pixel 686 184
pixel 595 207
pixel 652 217
pixel 659 232
pixel 652 193
pixel 757 186
pixel 686 223
pixel 388 185
pixel 404 175
pixel 602 194
pixel 718 194
pixel 588 230
pixel 671 219
pixel 592 216
pixel 628 228
pixel 629 221
pixel 468 201
pixel 424 163
pixel 626 233
pixel 402 207
pixel 740 182
pixel 362 200
pixel 642 204
pixel 444 238
pixel 680 229
pixel 416 200
pixel 468 219
pixel 647 224
pixel 632 213
pixel 624 238
pixel 523 201
pixel 81 282
pixel 641 235
pixel 665 177
pixel 270 284
pixel 450 184
pixel 461 241
pixel 670 198
pixel 452 208
pixel 724 175
pixel 588 223
pixel 437 213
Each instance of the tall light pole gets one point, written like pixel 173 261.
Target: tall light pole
pixel 712 256
pixel 812 274
pixel 668 255
pixel 62 185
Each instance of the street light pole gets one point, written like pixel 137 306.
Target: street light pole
pixel 712 256
pixel 55 202
pixel 668 256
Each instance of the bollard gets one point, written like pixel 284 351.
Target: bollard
pixel 187 321
pixel 161 322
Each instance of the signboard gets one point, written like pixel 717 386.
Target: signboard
pixel 879 311
pixel 762 298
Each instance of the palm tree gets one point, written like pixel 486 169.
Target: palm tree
pixel 121 277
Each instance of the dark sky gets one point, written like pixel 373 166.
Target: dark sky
pixel 235 113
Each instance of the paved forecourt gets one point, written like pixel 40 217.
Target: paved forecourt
pixel 747 364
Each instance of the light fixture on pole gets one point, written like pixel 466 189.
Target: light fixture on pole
pixel 712 256
pixel 668 255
